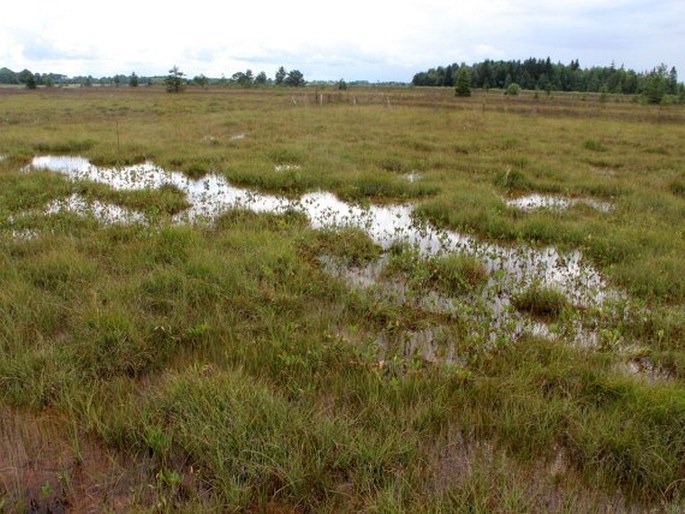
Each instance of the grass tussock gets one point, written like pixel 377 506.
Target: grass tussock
pixel 594 145
pixel 677 187
pixel 65 147
pixel 384 187
pixel 219 367
pixel 451 275
pixel 353 246
pixel 541 301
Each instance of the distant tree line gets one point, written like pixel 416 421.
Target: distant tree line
pixel 32 80
pixel 29 78
pixel 175 81
pixel 544 75
pixel 293 78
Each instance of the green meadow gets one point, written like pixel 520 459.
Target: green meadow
pixel 242 365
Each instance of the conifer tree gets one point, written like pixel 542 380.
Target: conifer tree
pixel 463 87
pixel 174 81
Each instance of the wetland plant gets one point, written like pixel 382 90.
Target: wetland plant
pixel 351 245
pixel 451 274
pixel 541 301
pixel 513 179
pixel 240 377
pixel 594 145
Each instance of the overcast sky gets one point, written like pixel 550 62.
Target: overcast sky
pixel 375 40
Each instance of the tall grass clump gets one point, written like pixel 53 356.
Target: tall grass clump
pixel 268 450
pixel 513 180
pixel 452 274
pixel 594 145
pixel 477 209
pixel 383 187
pixel 352 245
pixel 227 367
pixel 71 146
pixel 541 301
pixel 677 187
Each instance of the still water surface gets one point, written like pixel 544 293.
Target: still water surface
pixel 512 267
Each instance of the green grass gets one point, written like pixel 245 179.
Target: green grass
pixel 452 275
pixel 541 301
pixel 222 369
pixel 351 245
pixel 594 145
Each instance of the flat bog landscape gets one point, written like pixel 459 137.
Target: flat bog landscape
pixel 371 300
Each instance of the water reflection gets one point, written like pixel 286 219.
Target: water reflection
pixel 102 211
pixel 538 201
pixel 511 268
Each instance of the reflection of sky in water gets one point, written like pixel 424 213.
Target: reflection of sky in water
pixel 538 201
pixel 210 196
pixel 102 211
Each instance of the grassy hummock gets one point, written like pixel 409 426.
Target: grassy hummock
pixel 161 365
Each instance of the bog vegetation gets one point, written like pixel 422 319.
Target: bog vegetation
pixel 254 362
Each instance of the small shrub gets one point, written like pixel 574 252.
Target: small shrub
pixel 513 89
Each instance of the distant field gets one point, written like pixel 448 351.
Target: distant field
pixel 305 300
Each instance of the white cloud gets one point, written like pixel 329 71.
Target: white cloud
pixel 355 39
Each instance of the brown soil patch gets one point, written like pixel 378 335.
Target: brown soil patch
pixel 551 485
pixel 45 466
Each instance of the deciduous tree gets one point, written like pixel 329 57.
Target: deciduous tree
pixel 280 76
pixel 294 79
pixel 201 80
pixel 31 82
pixel 260 79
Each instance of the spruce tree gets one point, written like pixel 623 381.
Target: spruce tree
pixel 463 87
pixel 655 85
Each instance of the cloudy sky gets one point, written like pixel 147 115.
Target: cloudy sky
pixel 375 40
